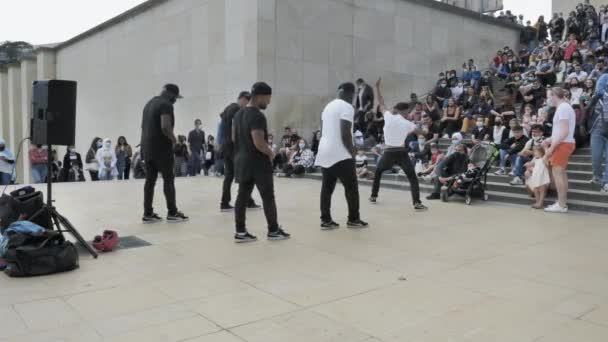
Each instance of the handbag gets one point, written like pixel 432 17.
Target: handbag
pixel 29 256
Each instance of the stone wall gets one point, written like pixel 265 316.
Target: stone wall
pixel 306 48
pixel 207 47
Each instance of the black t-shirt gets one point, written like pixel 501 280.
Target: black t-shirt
pixel 226 138
pixel 434 128
pixel 248 160
pixel 155 145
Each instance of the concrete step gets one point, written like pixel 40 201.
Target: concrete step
pixel 575 170
pixel 521 198
pixel 576 158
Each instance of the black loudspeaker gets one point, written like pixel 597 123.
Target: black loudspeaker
pixel 54 113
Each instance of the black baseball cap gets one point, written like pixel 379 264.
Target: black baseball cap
pixel 173 89
pixel 261 88
pixel 245 94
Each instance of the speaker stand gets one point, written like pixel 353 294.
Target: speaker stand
pixel 56 220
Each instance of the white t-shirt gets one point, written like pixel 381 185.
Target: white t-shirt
pixel 331 148
pixel 564 112
pixel 396 129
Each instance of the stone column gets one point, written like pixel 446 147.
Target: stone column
pixel 15 113
pixel 46 61
pixel 28 76
pixel 4 131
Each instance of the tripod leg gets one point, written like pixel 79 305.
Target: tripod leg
pixel 70 229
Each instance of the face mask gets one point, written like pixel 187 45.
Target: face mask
pixel 550 103
pixel 99 144
pixel 72 150
pixel 107 145
pixel 421 142
pixel 517 78
pixel 302 146
pixel 479 124
pixel 536 139
pixel 443 85
pixel 44 148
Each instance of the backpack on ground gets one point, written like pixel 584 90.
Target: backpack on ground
pixel 49 253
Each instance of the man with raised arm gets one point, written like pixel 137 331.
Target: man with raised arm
pixel 396 129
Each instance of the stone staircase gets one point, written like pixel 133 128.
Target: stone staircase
pixel 582 195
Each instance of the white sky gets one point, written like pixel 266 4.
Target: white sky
pixel 52 21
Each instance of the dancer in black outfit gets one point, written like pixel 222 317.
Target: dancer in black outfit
pixel 157 141
pixel 396 129
pixel 253 164
pixel 227 151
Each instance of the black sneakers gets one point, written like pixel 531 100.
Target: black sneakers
pixel 433 196
pixel 329 225
pixel 357 224
pixel 153 218
pixel 373 200
pixel 177 217
pixel 224 208
pixel 254 206
pixel 278 235
pixel 420 207
pixel 244 237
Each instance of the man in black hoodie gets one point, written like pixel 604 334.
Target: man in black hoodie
pixel 510 148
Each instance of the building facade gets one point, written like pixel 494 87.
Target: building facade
pixel 215 48
pixel 567 6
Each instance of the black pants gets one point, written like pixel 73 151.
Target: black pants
pixel 265 184
pixel 94 175
pixel 290 170
pixel 344 171
pixel 153 167
pixel 228 179
pixel 402 159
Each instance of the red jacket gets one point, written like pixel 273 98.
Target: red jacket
pixel 38 156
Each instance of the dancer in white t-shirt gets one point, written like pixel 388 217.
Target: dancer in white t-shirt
pixel 336 158
pixel 396 130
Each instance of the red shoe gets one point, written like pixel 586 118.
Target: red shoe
pixel 110 240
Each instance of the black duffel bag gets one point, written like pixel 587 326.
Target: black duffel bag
pixel 48 253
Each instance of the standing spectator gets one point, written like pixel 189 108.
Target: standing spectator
pixel 539 179
pixel 363 102
pixel 7 163
pixel 556 26
pixel 572 27
pixel 604 23
pixel 72 166
pixel 528 36
pixel 541 29
pixel 210 154
pixel 597 125
pixel 302 159
pixel 124 153
pixel 180 151
pixel 106 157
pixel 560 146
pixel 38 159
pixel 196 139
pixel 316 137
pixel 91 158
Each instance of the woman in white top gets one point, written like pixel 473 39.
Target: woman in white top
pixel 106 157
pixel 575 92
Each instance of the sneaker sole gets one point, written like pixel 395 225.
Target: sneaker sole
pixel 329 228
pixel 279 238
pixel 245 241
pixel 151 222
pixel 177 220
pixel 421 210
pixel 226 210
pixel 357 227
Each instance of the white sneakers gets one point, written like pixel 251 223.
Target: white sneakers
pixel 604 189
pixel 556 208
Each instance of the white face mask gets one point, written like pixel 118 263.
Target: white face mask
pixel 550 102
pixel 479 124
pixel 107 145
pixel 302 146
pixel 421 142
pixel 72 150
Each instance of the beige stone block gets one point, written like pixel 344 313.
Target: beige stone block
pixel 315 79
pixel 37 315
pixel 289 76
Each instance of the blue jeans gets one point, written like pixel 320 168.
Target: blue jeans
pixel 503 159
pixel 518 169
pixel 194 167
pixel 599 153
pixel 5 178
pixel 39 173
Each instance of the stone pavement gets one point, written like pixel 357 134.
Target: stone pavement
pixel 487 273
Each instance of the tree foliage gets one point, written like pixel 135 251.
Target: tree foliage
pixel 11 52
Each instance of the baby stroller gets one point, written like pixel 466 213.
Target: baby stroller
pixel 473 182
